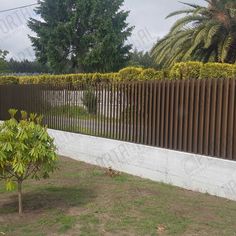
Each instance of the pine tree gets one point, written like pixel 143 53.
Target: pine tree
pixel 81 35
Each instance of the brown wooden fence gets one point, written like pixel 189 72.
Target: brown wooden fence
pixel 197 116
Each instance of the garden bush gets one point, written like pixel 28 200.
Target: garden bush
pixel 130 73
pixel 218 71
pixel 9 80
pixel 186 70
pixel 151 74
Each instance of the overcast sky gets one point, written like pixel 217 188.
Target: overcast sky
pixel 148 17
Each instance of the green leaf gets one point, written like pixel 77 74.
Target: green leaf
pixel 10 185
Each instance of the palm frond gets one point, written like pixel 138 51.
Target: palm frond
pixel 180 12
pixel 190 4
pixel 185 21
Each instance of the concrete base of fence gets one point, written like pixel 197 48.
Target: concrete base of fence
pixel 193 172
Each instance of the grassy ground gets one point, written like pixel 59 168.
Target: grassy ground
pixel 81 199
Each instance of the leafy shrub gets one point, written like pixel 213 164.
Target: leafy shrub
pixel 218 71
pixel 130 73
pixel 151 74
pixel 182 70
pixel 26 151
pixel 186 70
pixel 8 80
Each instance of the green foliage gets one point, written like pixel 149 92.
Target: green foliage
pixel 81 35
pixel 139 74
pixel 186 70
pixel 205 33
pixel 151 74
pixel 90 101
pixel 8 80
pixel 198 70
pixel 26 66
pixel 182 70
pixel 142 59
pixel 3 62
pixel 71 111
pixel 130 73
pixel 26 150
pixel 218 71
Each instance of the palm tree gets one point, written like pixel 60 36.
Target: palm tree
pixel 205 33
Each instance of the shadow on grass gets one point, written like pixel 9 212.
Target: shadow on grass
pixel 49 198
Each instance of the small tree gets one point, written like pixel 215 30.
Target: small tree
pixel 26 151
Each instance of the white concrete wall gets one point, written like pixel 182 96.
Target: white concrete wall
pixel 189 171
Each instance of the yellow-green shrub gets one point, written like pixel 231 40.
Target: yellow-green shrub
pixel 130 73
pixel 186 70
pixel 151 74
pixel 218 71
pixel 46 79
pixel 8 80
pixel 183 70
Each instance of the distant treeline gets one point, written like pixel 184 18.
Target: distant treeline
pixel 25 66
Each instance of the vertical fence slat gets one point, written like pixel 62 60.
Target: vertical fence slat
pixel 218 118
pixel 162 125
pixel 176 116
pixel 211 143
pixel 167 114
pixel 234 128
pixel 191 116
pixel 225 118
pixel 196 116
pixel 231 120
pixel 201 117
pixel 150 115
pixel 158 116
pixel 172 97
pixel 139 113
pixel 181 116
pixel 146 106
pixel 154 115
pixel 207 117
pixel 186 115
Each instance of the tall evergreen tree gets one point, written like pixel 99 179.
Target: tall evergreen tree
pixel 3 62
pixel 81 35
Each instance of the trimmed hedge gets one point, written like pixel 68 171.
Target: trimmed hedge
pixel 199 70
pixel 182 70
pixel 186 70
pixel 218 71
pixel 9 80
pixel 126 74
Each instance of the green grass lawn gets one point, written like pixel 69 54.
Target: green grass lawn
pixel 81 199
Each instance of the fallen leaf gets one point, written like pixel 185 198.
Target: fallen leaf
pixel 161 228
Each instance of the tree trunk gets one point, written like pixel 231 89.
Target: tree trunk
pixel 20 197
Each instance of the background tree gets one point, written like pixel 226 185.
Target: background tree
pixel 205 33
pixel 142 59
pixel 3 62
pixel 26 151
pixel 81 35
pixel 26 66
